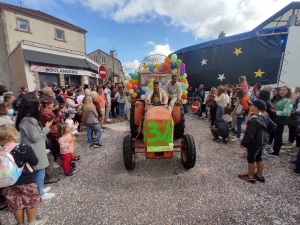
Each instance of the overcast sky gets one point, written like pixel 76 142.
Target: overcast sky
pixel 138 28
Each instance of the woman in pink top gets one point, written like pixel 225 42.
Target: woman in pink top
pixel 243 84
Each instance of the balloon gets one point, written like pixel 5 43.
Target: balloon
pixel 184 80
pixel 186 85
pixel 151 68
pixel 166 66
pixel 184 97
pixel 167 60
pixel 185 75
pixel 125 89
pixel 184 92
pixel 137 91
pixel 160 85
pixel 162 82
pixel 142 92
pixel 132 81
pixel 130 74
pixel 131 91
pixel 135 76
pixel 182 85
pixel 147 80
pixel 173 65
pixel 129 98
pixel 128 86
pixel 157 66
pixel 161 69
pixel 178 61
pixel 173 57
pixel 134 95
pixel 133 99
pixel 184 102
pixel 150 85
pixel 128 77
pixel 145 89
pixel 146 70
pixel 155 70
pixel 125 82
pixel 151 80
pixel 143 97
pixel 135 87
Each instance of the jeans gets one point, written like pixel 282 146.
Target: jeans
pixel 121 108
pixel 280 121
pixel 298 162
pixel 39 177
pixel 90 128
pixel 239 121
pixel 219 113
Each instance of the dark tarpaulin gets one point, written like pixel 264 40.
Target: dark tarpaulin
pixel 262 52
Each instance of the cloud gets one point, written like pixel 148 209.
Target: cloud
pixel 151 43
pixel 159 53
pixel 204 19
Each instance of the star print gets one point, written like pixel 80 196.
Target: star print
pixel 237 51
pixel 221 77
pixel 203 62
pixel 259 73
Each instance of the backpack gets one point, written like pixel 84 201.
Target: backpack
pixel 239 110
pixel 9 171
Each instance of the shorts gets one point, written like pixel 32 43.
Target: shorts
pixel 254 155
pixel 22 196
pixel 103 111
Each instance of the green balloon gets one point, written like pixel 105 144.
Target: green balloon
pixel 150 85
pixel 173 57
pixel 184 92
pixel 178 61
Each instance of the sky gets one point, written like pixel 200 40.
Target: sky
pixel 139 28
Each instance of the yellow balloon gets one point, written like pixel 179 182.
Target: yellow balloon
pixel 151 80
pixel 134 95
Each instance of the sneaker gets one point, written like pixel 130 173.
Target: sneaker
pixel 55 165
pixel 245 177
pixel 73 170
pixel 97 145
pixel 296 172
pixel 108 120
pixel 260 179
pixel 70 174
pixel 273 154
pixel 269 151
pixel 268 146
pixel 48 196
pixel 41 220
pixel 91 145
pixel 235 139
pixel 288 144
pixel 47 189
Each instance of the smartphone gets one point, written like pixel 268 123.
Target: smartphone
pixel 50 119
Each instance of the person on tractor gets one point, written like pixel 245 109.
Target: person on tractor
pixel 156 95
pixel 174 91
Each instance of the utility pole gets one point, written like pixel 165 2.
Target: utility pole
pixel 21 3
pixel 112 56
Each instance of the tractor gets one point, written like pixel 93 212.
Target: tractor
pixel 157 127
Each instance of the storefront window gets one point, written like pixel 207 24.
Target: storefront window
pixel 72 80
pixel 48 79
pixel 92 81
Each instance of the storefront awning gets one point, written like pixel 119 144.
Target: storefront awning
pixel 53 59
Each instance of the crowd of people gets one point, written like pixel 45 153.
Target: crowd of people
pixel 264 110
pixel 39 130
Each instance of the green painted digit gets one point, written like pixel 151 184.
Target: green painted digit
pixel 167 134
pixel 153 131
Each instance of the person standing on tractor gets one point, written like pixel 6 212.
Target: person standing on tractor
pixel 156 95
pixel 173 90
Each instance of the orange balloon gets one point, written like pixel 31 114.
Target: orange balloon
pixel 168 60
pixel 128 85
pixel 132 81
pixel 184 80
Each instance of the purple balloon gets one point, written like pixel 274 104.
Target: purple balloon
pixel 147 80
pixel 162 82
pixel 161 69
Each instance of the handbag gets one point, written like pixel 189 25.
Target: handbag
pixel 239 110
pixel 48 144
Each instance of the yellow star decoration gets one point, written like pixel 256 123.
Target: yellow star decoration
pixel 237 51
pixel 259 73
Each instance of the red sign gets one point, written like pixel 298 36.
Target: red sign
pixel 102 72
pixel 195 107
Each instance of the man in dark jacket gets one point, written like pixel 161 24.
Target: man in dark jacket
pixel 201 94
pixel 255 139
pixel 221 129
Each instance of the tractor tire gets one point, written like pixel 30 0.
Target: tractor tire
pixel 133 127
pixel 179 128
pixel 188 158
pixel 128 154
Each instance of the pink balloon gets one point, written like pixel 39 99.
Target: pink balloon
pixel 185 75
pixel 155 70
pixel 135 87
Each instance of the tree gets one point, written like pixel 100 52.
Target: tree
pixel 222 34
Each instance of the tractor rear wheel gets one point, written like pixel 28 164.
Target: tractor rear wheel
pixel 179 128
pixel 188 151
pixel 128 153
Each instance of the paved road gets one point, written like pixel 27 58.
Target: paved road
pixel 163 192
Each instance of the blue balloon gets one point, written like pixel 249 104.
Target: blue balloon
pixel 142 92
pixel 173 65
pixel 130 74
pixel 146 89
pixel 160 85
pixel 151 68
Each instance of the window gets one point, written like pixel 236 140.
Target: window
pixel 103 61
pixel 23 25
pixel 95 58
pixel 59 34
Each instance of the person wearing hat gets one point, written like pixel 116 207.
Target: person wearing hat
pixel 255 139
pixel 156 95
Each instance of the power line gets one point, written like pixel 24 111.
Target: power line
pixel 21 3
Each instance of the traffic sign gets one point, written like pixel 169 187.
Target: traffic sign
pixel 195 107
pixel 102 72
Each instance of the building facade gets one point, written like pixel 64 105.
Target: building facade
pixel 36 48
pixel 110 62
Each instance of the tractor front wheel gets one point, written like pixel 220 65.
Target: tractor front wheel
pixel 128 153
pixel 188 151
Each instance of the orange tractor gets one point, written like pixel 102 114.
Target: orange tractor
pixel 158 128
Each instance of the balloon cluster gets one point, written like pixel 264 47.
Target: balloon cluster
pixel 170 65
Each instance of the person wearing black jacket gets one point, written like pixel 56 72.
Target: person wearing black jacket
pixel 255 139
pixel 201 94
pixel 24 193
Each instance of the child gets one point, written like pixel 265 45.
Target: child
pixel 65 141
pixel 70 114
pixel 255 139
pixel 222 126
pixel 243 84
pixel 62 109
pixel 23 196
